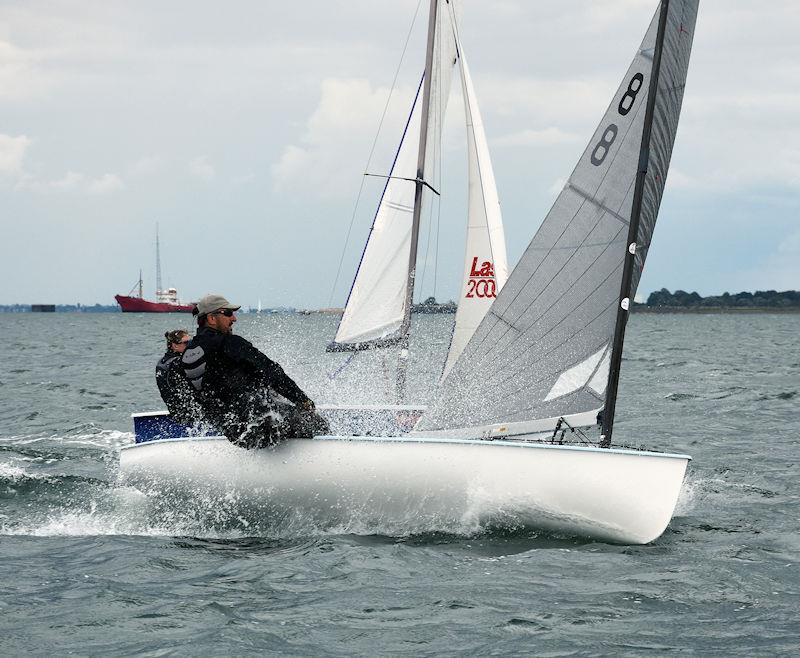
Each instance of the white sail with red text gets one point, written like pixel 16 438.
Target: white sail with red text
pixel 485 263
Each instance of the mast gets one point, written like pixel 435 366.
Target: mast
pixel 141 292
pixel 158 266
pixel 633 230
pixel 419 186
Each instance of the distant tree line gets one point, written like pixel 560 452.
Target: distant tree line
pixel 659 300
pixel 430 305
pixel 759 299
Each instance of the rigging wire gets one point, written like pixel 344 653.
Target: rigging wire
pixel 440 174
pixel 577 433
pixel 336 372
pixel 371 153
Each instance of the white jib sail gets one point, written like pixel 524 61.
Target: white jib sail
pixel 485 263
pixel 376 308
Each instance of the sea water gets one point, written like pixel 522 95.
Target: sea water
pixel 90 567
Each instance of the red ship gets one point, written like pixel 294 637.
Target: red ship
pixel 140 305
pixel 166 299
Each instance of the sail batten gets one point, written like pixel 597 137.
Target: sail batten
pixel 559 306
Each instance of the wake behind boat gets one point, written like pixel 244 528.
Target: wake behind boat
pixel 535 364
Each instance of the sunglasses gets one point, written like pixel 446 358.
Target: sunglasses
pixel 182 341
pixel 227 312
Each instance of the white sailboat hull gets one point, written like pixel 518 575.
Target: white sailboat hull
pixel 623 496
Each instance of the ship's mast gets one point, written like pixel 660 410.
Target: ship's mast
pixel 158 266
pixel 141 292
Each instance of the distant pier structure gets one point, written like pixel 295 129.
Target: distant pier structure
pixel 43 308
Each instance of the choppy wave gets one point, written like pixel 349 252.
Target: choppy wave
pixel 782 395
pixel 680 397
pixel 94 567
pixel 11 473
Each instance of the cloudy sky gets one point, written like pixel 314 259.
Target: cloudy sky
pixel 243 129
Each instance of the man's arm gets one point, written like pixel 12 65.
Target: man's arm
pixel 245 353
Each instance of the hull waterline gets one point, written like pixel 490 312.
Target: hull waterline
pixel 622 496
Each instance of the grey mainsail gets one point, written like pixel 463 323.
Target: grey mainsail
pixel 543 349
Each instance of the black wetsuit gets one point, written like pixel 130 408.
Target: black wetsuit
pixel 176 391
pixel 236 385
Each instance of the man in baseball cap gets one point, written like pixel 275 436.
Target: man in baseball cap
pixel 211 303
pixel 216 312
pixel 238 386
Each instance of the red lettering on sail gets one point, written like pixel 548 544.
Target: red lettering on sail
pixel 486 269
pixel 481 281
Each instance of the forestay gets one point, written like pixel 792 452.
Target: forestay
pixel 377 311
pixel 543 349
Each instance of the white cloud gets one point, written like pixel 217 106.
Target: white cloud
pixel 337 137
pixel 293 161
pixel 201 167
pixel 12 153
pixel 546 137
pixel 540 101
pixel 20 75
pixel 73 182
pixel 780 270
pixel 106 184
pixel 95 92
pixel 244 179
pixel 732 147
pixel 677 179
pixel 148 165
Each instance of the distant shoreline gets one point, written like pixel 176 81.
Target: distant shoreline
pixel 760 301
pixel 638 309
pixel 712 310
pixel 660 301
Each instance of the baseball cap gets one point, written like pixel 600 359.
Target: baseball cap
pixel 211 303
